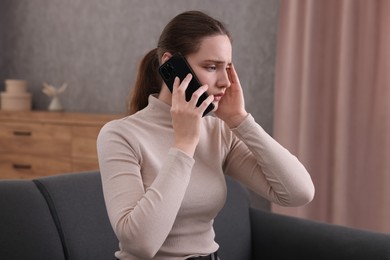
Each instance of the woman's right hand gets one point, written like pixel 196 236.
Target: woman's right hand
pixel 186 116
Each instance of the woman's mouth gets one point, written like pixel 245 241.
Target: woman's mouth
pixel 217 97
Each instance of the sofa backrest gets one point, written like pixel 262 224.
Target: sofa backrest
pixel 232 225
pixel 64 217
pixel 27 229
pixel 77 205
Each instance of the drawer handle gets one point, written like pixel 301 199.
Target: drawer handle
pixel 21 166
pixel 22 133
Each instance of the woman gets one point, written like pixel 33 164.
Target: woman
pixel 163 166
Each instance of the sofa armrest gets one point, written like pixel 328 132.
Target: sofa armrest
pixel 282 237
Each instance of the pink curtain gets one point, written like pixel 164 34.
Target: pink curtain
pixel 332 106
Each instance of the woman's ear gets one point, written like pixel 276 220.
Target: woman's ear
pixel 166 56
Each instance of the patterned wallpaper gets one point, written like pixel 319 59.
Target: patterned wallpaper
pixel 95 47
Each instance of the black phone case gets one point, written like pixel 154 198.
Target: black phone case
pixel 178 66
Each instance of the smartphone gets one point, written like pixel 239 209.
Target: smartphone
pixel 177 66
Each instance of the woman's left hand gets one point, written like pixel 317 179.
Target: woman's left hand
pixel 231 108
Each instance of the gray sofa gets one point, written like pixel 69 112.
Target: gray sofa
pixel 64 217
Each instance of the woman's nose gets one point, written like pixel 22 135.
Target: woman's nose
pixel 223 79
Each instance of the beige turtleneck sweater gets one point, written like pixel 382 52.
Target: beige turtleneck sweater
pixel 161 202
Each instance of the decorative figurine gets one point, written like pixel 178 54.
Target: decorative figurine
pixel 53 92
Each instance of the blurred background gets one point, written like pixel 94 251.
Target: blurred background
pixel 95 47
pixel 315 76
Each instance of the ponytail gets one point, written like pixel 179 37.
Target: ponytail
pixel 148 82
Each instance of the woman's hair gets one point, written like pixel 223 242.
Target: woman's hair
pixel 184 33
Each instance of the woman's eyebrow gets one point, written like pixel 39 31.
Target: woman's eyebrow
pixel 218 62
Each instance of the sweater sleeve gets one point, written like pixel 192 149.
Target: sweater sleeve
pixel 141 218
pixel 263 165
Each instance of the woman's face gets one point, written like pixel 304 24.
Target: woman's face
pixel 211 64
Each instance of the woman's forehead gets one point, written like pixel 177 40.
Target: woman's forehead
pixel 215 48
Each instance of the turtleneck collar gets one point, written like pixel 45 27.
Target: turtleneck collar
pixel 158 111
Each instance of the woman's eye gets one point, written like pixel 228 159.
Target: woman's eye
pixel 211 68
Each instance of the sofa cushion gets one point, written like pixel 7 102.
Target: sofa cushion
pixel 284 237
pixel 232 225
pixel 77 200
pixel 27 230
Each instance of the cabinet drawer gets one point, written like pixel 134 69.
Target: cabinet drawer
pixel 84 142
pixel 37 139
pixel 85 165
pixel 16 166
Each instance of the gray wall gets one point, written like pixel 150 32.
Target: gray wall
pixel 95 47
pixel 2 49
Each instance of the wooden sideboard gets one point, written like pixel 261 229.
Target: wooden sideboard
pixel 41 143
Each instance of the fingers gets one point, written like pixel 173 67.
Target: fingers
pixel 178 92
pixel 233 74
pixel 179 95
pixel 181 85
pixel 176 84
pixel 197 94
pixel 205 104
